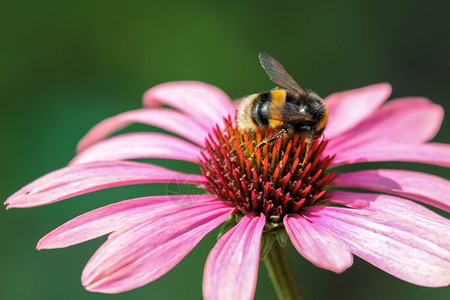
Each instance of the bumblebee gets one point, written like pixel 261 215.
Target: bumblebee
pixel 292 110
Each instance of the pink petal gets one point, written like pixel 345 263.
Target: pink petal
pixel 116 216
pixel 317 245
pixel 167 119
pixel 139 145
pixel 85 178
pixel 407 120
pixel 423 187
pixel 202 102
pixel 232 265
pixel 430 153
pixel 388 204
pixel 140 254
pixel 408 247
pixel 236 103
pixel 349 108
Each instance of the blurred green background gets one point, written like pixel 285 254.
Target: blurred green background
pixel 66 66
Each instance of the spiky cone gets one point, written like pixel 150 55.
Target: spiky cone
pixel 276 180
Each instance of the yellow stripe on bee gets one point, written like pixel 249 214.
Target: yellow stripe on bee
pixel 276 98
pixel 323 121
pixel 275 123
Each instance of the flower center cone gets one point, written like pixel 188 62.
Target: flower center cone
pixel 276 179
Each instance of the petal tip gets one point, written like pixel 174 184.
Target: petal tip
pixel 88 282
pixel 42 244
pixel 340 269
pixel 9 203
pixel 90 287
pixel 97 288
pixel 385 85
pixel 383 88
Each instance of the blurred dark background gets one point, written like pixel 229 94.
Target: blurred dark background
pixel 66 66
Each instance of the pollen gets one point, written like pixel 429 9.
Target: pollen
pixel 277 179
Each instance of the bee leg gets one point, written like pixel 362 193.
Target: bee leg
pixel 273 138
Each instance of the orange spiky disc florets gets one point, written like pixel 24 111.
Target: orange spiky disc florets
pixel 277 179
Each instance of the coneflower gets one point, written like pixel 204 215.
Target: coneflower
pixel 264 194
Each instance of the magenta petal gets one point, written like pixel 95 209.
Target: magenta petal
pixel 202 102
pixel 317 245
pixel 116 216
pixel 236 103
pixel 84 178
pixel 139 145
pixel 388 204
pixel 138 255
pixel 423 187
pixel 167 119
pixel 409 247
pixel 430 153
pixel 232 265
pixel 407 120
pixel 349 108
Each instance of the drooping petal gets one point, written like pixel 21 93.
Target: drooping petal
pixel 116 216
pixel 406 120
pixel 429 153
pixel 412 249
pixel 139 145
pixel 347 109
pixel 204 103
pixel 389 204
pixel 85 178
pixel 167 119
pixel 320 247
pixel 423 187
pixel 138 255
pixel 232 265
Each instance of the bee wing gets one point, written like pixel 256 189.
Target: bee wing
pixel 278 74
pixel 288 112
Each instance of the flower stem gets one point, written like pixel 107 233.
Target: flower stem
pixel 281 274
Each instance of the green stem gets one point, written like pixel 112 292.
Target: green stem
pixel 281 274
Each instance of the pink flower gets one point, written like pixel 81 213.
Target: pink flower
pixel 265 189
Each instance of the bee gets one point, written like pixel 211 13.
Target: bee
pixel 292 110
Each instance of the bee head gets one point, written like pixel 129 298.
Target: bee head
pixel 317 108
